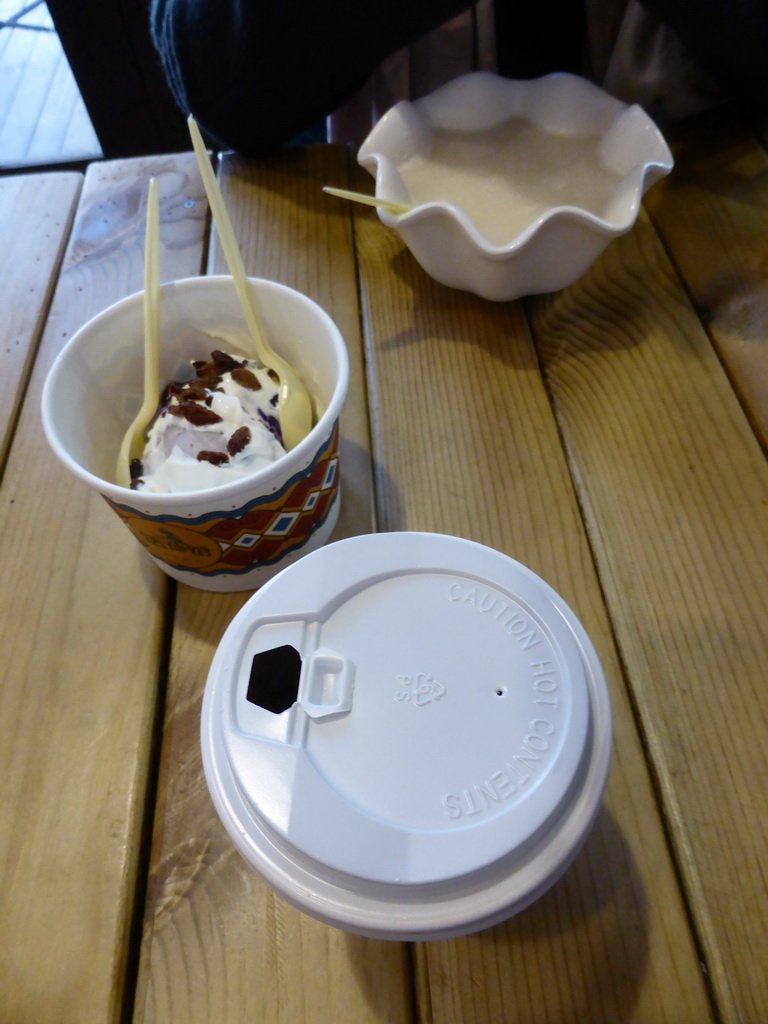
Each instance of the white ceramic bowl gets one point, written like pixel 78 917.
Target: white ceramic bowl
pixel 551 170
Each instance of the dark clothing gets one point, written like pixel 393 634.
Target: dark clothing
pixel 256 75
pixel 727 38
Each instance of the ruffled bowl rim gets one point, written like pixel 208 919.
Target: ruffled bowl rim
pixel 374 153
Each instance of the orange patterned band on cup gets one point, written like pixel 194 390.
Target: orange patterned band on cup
pixel 260 533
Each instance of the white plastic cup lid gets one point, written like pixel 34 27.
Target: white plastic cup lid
pixel 407 735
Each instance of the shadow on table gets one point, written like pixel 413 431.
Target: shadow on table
pixel 499 327
pixel 594 923
pixel 360 510
pixel 588 935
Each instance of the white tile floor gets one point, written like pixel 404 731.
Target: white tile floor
pixel 42 117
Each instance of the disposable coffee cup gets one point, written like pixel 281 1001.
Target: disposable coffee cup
pixel 407 735
pixel 237 535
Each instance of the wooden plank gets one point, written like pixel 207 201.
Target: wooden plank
pixel 465 443
pixel 712 213
pixel 19 47
pixel 38 16
pixel 35 217
pixel 43 116
pixel 55 113
pixel 34 87
pixel 218 944
pixel 63 130
pixel 80 141
pixel 81 627
pixel 675 492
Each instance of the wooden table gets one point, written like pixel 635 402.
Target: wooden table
pixel 612 438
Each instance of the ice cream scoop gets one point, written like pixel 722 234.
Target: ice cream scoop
pixel 220 426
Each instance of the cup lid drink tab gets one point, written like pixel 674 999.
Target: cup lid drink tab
pixel 407 734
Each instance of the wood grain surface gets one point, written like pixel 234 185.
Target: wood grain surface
pixel 36 213
pixel 610 436
pixel 81 625
pixel 712 214
pixel 218 944
pixel 674 488
pixel 466 443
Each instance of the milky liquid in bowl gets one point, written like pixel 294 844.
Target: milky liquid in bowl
pixel 506 177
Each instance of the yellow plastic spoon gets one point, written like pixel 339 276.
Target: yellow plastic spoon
pixel 362 197
pixel 133 442
pixel 295 403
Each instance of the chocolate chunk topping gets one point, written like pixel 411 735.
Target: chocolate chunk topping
pixel 215 458
pixel 220 363
pixel 239 440
pixel 274 376
pixel 136 470
pixel 225 362
pixel 197 415
pixel 194 393
pixel 246 379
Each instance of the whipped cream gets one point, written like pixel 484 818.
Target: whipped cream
pixel 219 427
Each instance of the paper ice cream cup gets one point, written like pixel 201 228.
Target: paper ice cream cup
pixel 240 534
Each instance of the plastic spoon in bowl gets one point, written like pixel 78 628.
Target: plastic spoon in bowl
pixel 133 442
pixel 362 197
pixel 295 403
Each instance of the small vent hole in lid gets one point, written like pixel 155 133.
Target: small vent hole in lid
pixel 274 680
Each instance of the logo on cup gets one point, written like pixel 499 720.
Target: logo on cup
pixel 175 543
pixel 260 533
